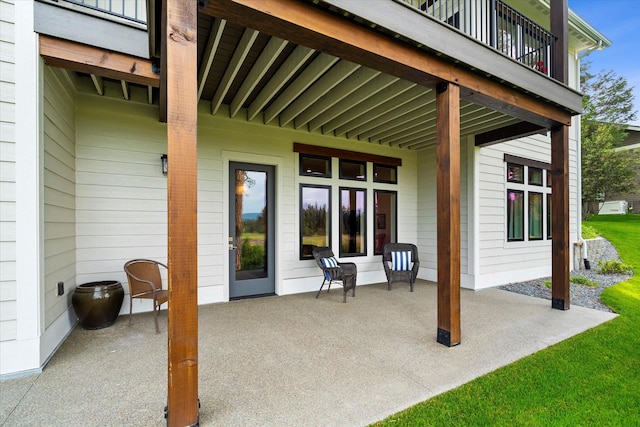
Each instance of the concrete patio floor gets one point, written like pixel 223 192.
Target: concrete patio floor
pixel 290 361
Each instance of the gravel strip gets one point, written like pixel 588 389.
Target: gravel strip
pixel 581 295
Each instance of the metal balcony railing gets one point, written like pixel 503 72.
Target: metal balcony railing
pixel 498 25
pixel 130 10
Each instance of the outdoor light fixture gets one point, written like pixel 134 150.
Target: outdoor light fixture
pixel 165 164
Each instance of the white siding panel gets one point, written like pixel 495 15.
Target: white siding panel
pixel 496 254
pixel 59 193
pixel 7 174
pixel 121 193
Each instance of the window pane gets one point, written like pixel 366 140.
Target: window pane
pixel 515 173
pixel 515 215
pixel 385 219
pixel 548 178
pixel 315 218
pixel 353 170
pixel 549 216
pixel 535 216
pixel 352 222
pixel 383 173
pixel 535 176
pixel 315 166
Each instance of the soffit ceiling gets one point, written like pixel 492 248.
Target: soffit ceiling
pixel 250 75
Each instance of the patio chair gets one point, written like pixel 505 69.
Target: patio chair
pixel 344 273
pixel 401 263
pixel 145 282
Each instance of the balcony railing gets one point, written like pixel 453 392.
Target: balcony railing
pixel 130 10
pixel 497 25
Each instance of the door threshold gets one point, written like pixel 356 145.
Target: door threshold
pixel 270 294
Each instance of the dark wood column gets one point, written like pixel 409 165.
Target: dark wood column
pixel 560 168
pixel 181 60
pixel 448 205
pixel 560 218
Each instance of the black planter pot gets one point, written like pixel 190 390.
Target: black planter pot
pixel 97 304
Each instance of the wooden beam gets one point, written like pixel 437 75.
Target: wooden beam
pixel 308 25
pixel 508 133
pixel 560 285
pixel 316 150
pixel 101 62
pixel 210 52
pixel 162 98
pixel 182 101
pixel 448 204
pixel 240 53
pixel 98 84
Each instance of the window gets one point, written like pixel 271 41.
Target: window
pixel 384 173
pixel 384 205
pixel 515 215
pixel 535 216
pixel 325 200
pixel 353 222
pixel 350 169
pixel 528 201
pixel 315 166
pixel 315 218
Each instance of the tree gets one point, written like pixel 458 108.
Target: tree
pixel 607 109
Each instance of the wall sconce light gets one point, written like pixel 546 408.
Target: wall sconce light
pixel 165 164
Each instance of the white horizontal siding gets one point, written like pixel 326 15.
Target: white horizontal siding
pixel 496 255
pixel 7 174
pixel 121 193
pixel 59 194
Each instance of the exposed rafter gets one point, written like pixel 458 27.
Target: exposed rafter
pixel 248 38
pixel 210 52
pixel 98 84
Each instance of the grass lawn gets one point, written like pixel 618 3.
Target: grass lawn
pixel 590 379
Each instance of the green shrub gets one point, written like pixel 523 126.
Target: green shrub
pixel 588 232
pixel 613 266
pixel 581 280
pixel 252 255
pixel 547 283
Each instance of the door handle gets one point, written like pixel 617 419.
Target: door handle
pixel 232 247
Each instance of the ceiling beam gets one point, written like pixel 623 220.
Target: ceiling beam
pixel 260 67
pixel 296 59
pixel 381 109
pixel 126 94
pixel 97 83
pixel 337 74
pixel 310 74
pixel 507 133
pixel 306 24
pixel 213 41
pixel 242 50
pixel 101 62
pixel 368 104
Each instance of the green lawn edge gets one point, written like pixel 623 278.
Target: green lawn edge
pixel 590 379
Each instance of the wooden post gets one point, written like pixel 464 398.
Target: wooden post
pixel 559 20
pixel 448 205
pixel 560 218
pixel 560 286
pixel 181 48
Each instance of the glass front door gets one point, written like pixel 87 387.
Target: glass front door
pixel 251 230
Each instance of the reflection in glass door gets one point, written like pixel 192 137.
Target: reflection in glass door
pixel 251 230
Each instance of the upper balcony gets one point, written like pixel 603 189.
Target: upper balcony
pixel 256 66
pixel 495 24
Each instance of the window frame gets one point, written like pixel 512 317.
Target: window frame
pixel 360 163
pixel 394 227
pixel 302 172
pixel 385 181
pixel 301 223
pixel 363 216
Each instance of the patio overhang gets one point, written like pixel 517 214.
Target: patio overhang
pixel 447 100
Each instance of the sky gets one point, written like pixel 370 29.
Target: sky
pixel 619 21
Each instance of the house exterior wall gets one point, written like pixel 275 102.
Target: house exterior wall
pixel 59 192
pixel 7 174
pixel 121 194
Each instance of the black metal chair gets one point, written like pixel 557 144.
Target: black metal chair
pixel 401 263
pixel 344 273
